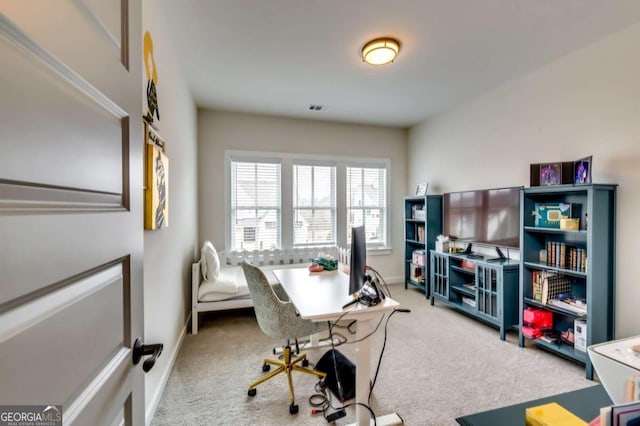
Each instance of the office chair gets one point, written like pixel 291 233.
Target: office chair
pixel 277 318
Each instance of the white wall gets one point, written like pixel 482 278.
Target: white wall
pixel 218 131
pixel 586 103
pixel 169 252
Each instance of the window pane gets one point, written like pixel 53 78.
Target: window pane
pixel 314 204
pixel 324 187
pixel 366 202
pixel 255 206
pixel 314 226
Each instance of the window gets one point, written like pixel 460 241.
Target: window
pixel 366 202
pixel 314 205
pixel 284 201
pixel 255 205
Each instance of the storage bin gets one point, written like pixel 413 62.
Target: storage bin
pixel 570 224
pixel 580 335
pixel 537 318
pixel 418 257
pixel 418 214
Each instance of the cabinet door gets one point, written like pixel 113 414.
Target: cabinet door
pixel 439 276
pixel 487 291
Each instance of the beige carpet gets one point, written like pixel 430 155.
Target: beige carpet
pixel 438 365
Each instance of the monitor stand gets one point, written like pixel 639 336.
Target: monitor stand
pixel 468 249
pixel 467 252
pixel 501 257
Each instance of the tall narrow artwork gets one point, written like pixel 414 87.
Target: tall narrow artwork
pixel 156 200
pixel 151 72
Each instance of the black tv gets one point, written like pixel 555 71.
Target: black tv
pixel 487 216
pixel 358 261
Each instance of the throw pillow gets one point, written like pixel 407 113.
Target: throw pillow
pixel 210 263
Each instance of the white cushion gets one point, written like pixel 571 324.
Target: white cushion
pixel 231 282
pixel 210 262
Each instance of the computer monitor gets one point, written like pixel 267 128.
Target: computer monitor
pixel 358 259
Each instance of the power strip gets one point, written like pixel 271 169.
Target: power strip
pixel 335 416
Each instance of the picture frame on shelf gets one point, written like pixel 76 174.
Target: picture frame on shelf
pixel 550 174
pixel 421 189
pixel 582 171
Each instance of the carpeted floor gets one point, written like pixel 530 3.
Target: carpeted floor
pixel 438 365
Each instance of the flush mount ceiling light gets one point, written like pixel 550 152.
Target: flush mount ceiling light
pixel 380 51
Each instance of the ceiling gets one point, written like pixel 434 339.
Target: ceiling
pixel 277 57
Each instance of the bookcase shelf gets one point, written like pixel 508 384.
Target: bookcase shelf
pixel 586 257
pixel 554 231
pixel 422 224
pixel 563 271
pixel 536 304
pixel 562 349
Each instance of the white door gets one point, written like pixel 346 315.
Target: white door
pixel 71 208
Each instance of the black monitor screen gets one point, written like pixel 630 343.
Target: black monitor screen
pixel 489 216
pixel 358 259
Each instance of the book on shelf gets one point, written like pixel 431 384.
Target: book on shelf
pixel 469 301
pixel 471 287
pixel 537 281
pixel 560 255
pixel 548 339
pixel 576 308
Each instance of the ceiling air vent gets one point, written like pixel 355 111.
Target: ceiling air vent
pixel 317 107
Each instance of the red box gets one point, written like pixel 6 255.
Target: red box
pixel 537 318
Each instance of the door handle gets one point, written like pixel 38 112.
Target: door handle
pixel 140 350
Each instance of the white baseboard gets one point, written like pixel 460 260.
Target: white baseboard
pixel 153 403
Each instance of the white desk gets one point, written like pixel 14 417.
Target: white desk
pixel 614 362
pixel 319 296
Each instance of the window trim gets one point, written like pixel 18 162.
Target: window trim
pixel 286 161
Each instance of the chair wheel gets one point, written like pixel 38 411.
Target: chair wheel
pixel 293 409
pixel 305 362
pixel 266 367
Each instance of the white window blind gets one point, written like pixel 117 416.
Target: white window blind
pixel 314 205
pixel 255 205
pixel 366 202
